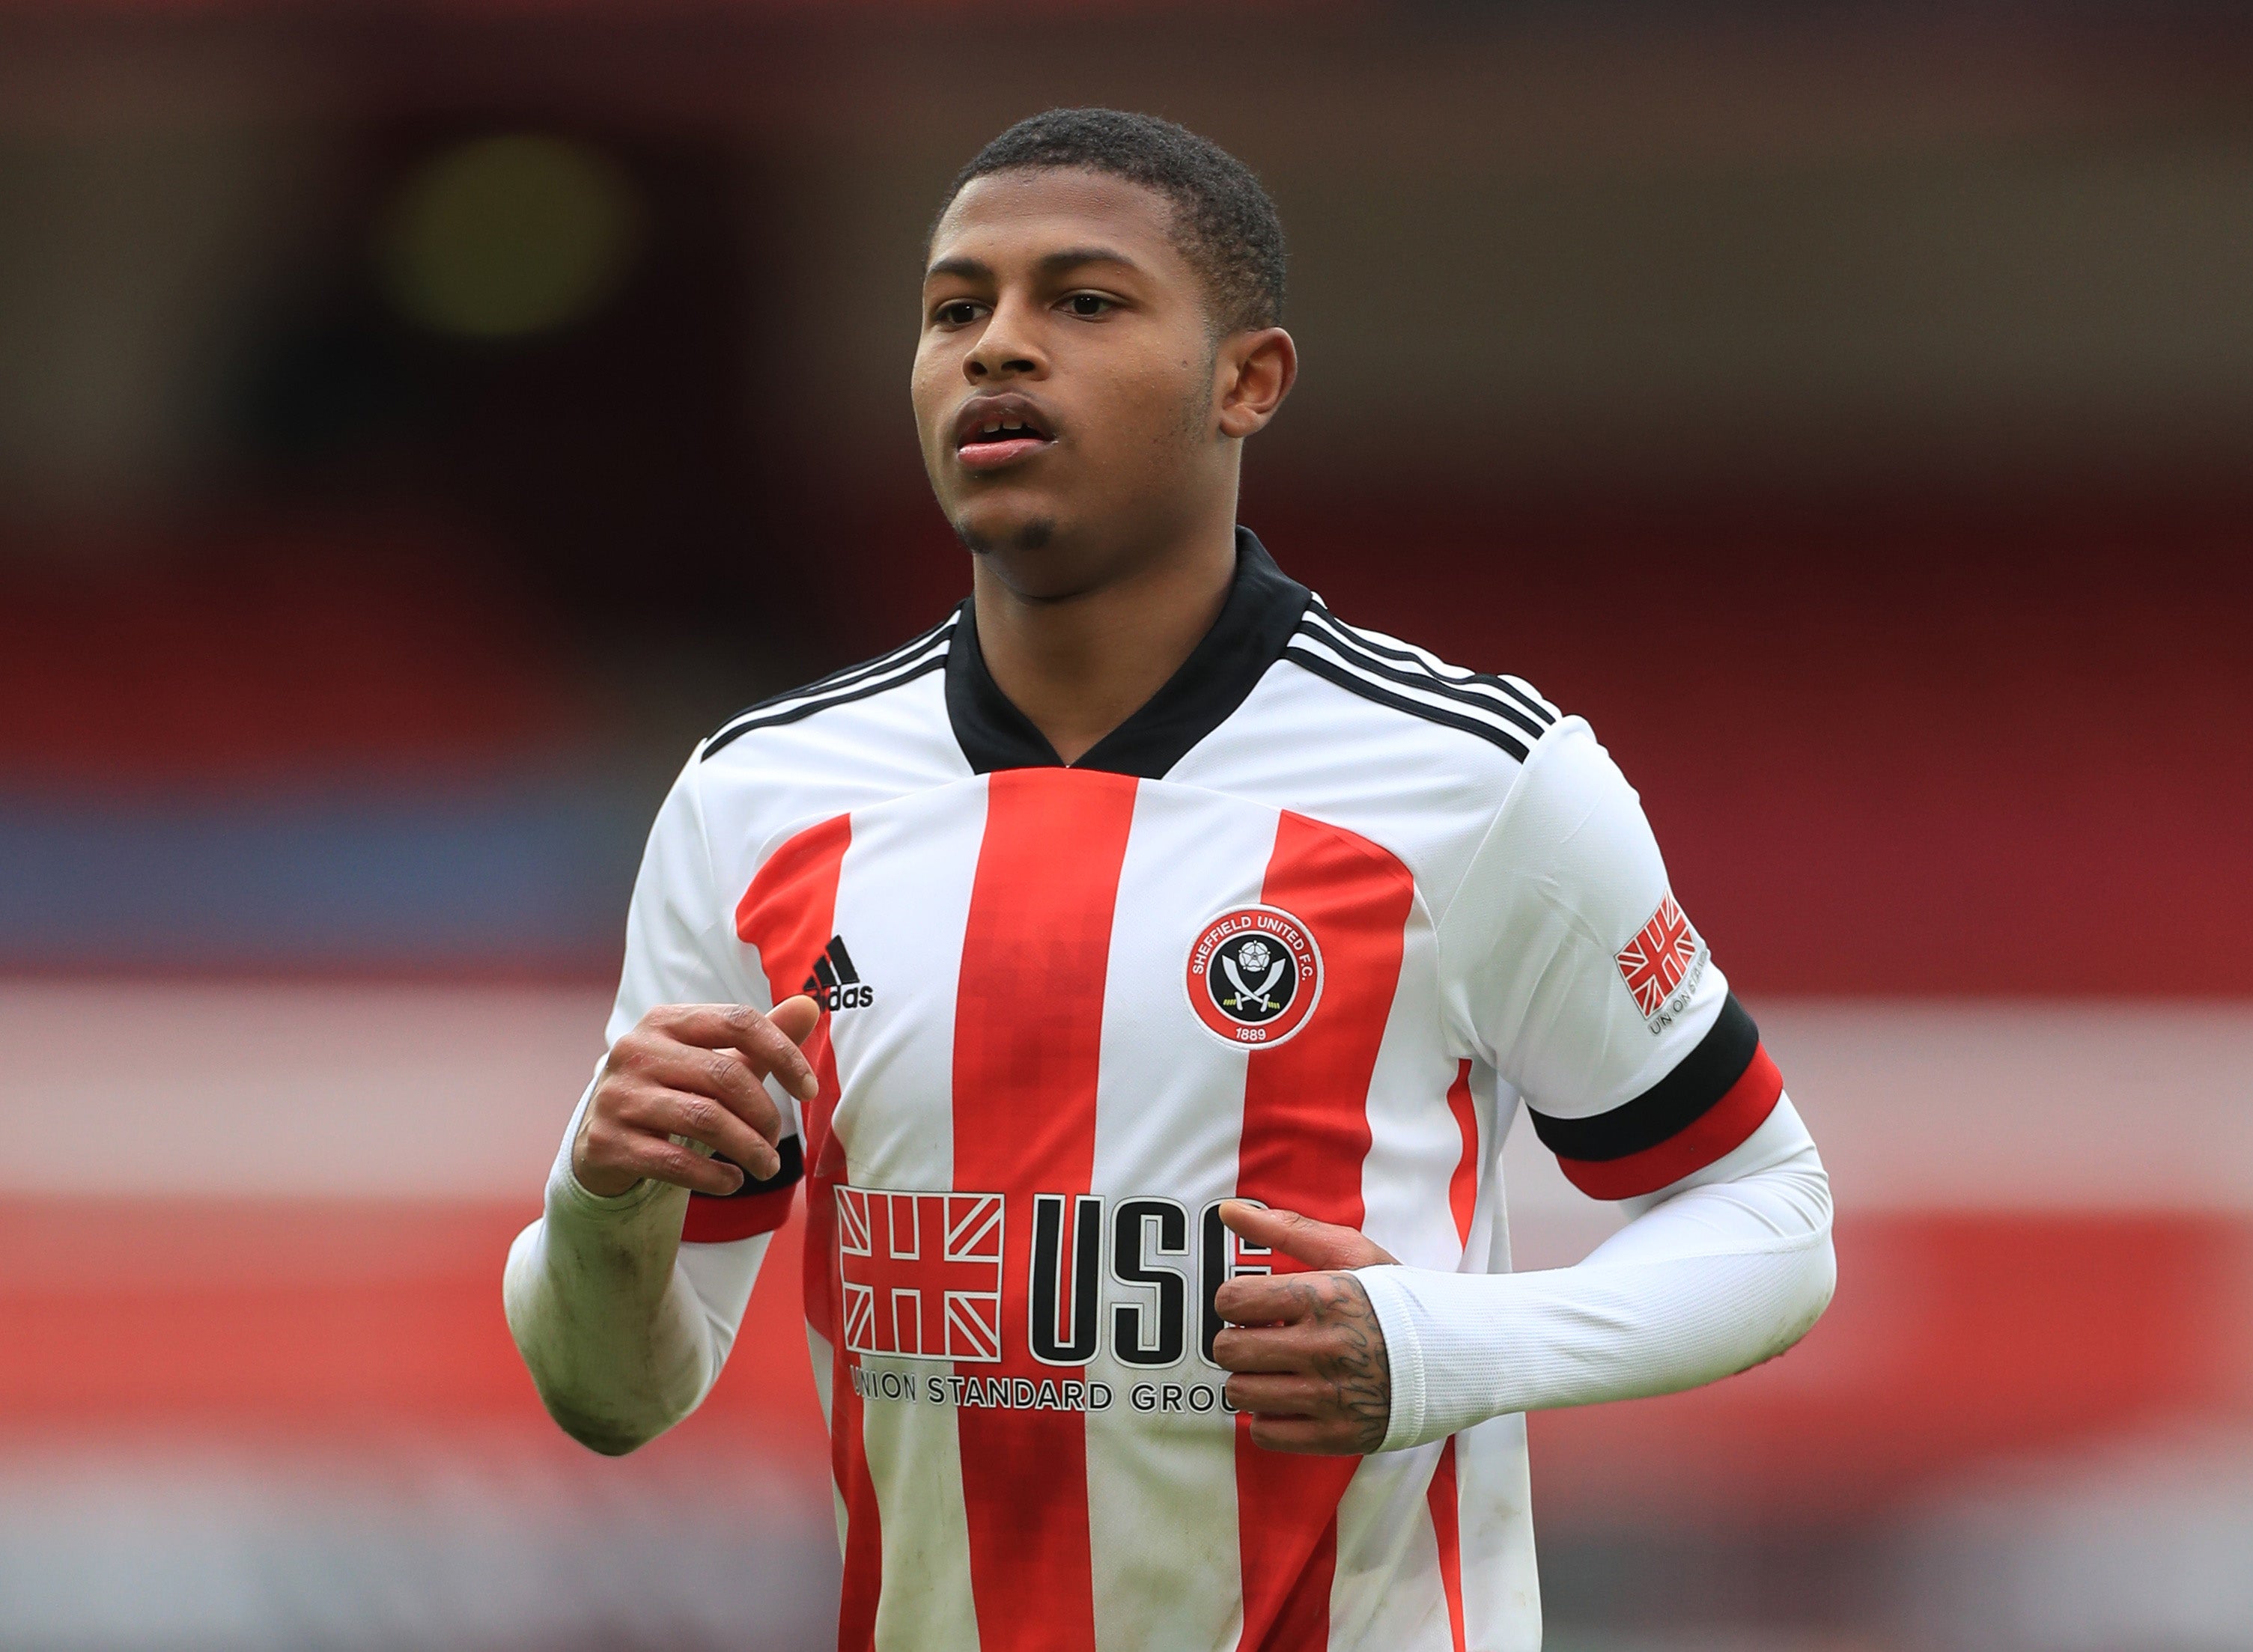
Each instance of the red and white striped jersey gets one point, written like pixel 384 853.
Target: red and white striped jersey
pixel 1307 930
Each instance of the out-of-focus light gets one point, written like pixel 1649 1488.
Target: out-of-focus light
pixel 509 236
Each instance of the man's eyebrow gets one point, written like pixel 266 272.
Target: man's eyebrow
pixel 1050 264
pixel 1073 257
pixel 970 268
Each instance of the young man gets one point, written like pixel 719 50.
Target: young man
pixel 1142 969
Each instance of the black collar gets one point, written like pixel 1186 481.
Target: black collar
pixel 1263 606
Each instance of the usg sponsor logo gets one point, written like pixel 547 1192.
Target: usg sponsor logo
pixel 1025 1394
pixel 925 1276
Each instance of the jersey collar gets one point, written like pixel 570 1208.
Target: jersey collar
pixel 1263 608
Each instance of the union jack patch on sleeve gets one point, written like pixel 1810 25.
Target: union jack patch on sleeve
pixel 1661 963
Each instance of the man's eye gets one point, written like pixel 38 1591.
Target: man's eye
pixel 1088 305
pixel 960 313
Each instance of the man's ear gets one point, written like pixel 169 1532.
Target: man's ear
pixel 1254 371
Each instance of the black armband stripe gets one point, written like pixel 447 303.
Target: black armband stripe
pixel 791 1169
pixel 1671 1105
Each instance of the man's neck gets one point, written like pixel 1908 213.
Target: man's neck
pixel 1079 665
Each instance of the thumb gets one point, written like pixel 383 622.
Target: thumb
pixel 794 1017
pixel 1320 1245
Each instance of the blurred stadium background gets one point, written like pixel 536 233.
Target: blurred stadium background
pixel 419 421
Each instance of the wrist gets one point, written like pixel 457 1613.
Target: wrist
pixel 568 1191
pixel 1404 1354
pixel 600 1183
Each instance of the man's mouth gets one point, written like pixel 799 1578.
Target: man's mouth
pixel 999 431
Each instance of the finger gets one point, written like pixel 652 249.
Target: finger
pixel 658 1159
pixel 1262 1299
pixel 1281 1395
pixel 724 1075
pixel 616 1150
pixel 771 1051
pixel 1319 1245
pixel 673 1112
pixel 1304 1436
pixel 796 1017
pixel 1266 1348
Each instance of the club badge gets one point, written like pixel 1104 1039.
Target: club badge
pixel 1255 975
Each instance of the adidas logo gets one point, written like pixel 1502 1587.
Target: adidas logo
pixel 835 984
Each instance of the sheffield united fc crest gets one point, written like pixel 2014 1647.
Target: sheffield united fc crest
pixel 1255 975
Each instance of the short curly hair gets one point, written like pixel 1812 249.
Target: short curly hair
pixel 1223 221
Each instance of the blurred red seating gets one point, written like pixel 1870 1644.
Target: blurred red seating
pixel 272 653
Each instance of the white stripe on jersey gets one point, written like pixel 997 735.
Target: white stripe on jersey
pixel 1391 1595
pixel 1502 1589
pixel 819 1351
pixel 1487 1250
pixel 918 859
pixel 1157 1126
pixel 722 1274
pixel 915 1462
pixel 921 862
pixel 1410 1124
pixel 1494 1508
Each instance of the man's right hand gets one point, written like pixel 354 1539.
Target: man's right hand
pixel 696 1070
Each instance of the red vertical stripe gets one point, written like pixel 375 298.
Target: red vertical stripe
pixel 1446 1526
pixel 1462 1186
pixel 789 913
pixel 1027 1041
pixel 1440 1495
pixel 1306 1134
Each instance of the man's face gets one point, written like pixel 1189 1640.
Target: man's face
pixel 1064 383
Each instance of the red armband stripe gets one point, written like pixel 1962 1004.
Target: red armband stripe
pixel 716 1221
pixel 1721 1129
pixel 757 1206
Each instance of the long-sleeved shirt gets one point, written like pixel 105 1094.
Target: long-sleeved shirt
pixel 1316 928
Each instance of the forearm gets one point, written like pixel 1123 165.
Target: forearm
pixel 1714 1277
pixel 608 1320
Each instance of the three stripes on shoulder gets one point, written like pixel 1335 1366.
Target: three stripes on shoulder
pixel 1505 711
pixel 926 653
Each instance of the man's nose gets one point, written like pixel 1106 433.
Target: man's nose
pixel 1006 348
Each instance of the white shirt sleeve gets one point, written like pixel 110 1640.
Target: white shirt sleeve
pixel 1574 971
pixel 623 1326
pixel 1718 1274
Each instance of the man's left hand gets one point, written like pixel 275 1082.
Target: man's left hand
pixel 1307 1349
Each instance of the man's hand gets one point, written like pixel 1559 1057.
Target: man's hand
pixel 1306 1347
pixel 694 1071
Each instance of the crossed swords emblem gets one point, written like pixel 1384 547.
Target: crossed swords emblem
pixel 1247 994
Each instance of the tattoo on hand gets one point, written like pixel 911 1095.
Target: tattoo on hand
pixel 1355 1365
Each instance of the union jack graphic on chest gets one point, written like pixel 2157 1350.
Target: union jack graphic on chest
pixel 1664 951
pixel 922 1273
